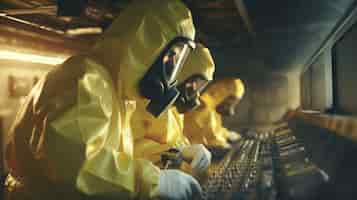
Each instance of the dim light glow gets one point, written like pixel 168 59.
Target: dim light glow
pixel 33 58
pixel 84 31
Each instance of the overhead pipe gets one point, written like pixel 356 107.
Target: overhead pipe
pixel 18 3
pixel 243 12
pixel 14 33
pixel 28 23
pixel 27 11
pixel 70 32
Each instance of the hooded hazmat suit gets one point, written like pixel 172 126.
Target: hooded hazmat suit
pixel 204 125
pixel 73 136
pixel 156 135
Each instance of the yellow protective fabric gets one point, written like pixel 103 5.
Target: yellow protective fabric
pixel 73 136
pixel 156 135
pixel 204 125
pixel 221 89
pixel 199 61
pixel 166 131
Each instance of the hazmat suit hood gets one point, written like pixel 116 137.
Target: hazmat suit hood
pixel 218 91
pixel 198 72
pixel 137 37
pixel 204 125
pixel 199 62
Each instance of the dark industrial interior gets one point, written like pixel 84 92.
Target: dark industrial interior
pixel 294 57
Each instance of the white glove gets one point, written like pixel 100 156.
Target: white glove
pixel 200 157
pixel 233 136
pixel 177 185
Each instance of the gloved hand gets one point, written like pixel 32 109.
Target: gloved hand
pixel 177 185
pixel 233 136
pixel 199 156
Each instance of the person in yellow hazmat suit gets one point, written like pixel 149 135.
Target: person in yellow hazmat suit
pixel 204 124
pixel 153 136
pixel 73 138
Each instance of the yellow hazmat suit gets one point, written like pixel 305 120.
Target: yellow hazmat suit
pixel 73 135
pixel 204 125
pixel 155 135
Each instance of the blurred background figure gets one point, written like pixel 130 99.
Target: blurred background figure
pixel 154 136
pixel 204 125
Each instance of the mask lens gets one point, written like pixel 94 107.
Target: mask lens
pixel 174 59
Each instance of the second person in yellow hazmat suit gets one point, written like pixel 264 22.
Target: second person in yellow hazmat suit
pixel 73 136
pixel 153 136
pixel 204 124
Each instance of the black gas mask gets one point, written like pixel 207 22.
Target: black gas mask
pixel 159 84
pixel 190 91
